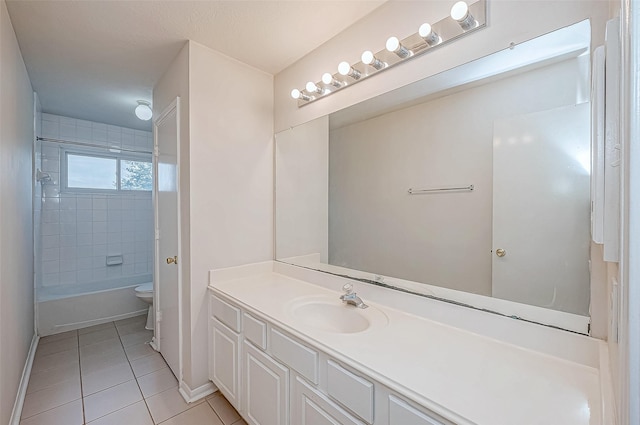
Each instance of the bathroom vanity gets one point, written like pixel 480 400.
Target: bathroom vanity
pixel 283 349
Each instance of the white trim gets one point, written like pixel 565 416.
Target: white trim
pixel 196 394
pixel 24 382
pixel 86 323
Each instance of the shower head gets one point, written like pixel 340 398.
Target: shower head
pixel 42 177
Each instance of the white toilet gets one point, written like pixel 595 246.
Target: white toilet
pixel 145 293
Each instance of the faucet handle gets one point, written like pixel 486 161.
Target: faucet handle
pixel 347 288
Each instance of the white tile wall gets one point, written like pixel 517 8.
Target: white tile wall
pixel 79 230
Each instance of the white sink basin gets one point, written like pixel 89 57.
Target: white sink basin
pixel 332 315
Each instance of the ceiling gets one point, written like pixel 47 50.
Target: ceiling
pixel 93 59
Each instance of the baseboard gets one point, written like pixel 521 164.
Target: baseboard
pixel 24 382
pixel 196 394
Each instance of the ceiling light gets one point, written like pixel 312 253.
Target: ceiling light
pixel 368 58
pixel 460 13
pixel 143 110
pixel 345 69
pixel 394 45
pixel 428 34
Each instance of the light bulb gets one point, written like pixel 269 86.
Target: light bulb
pixel 368 58
pixel 428 34
pixel 143 110
pixel 313 88
pixel 345 69
pixel 330 81
pixel 460 13
pixel 394 45
pixel 297 94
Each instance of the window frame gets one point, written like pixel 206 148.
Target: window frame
pixel 118 157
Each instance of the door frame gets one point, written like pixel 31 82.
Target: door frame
pixel 173 106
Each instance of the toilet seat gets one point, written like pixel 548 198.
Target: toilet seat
pixel 145 288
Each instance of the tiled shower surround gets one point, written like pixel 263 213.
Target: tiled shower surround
pixel 80 229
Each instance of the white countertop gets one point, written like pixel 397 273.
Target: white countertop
pixel 465 377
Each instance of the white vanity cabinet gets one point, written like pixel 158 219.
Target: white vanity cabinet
pixel 273 378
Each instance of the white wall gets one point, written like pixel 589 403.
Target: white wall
pixel 16 230
pixel 375 226
pixel 508 21
pixel 302 190
pixel 231 182
pixel 226 178
pixel 79 229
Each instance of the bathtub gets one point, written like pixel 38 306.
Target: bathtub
pixel 65 308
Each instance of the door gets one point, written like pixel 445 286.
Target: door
pixel 541 208
pixel 168 263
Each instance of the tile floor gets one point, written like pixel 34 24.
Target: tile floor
pixel 109 375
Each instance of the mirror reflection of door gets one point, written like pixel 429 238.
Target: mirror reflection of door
pixel 541 208
pixel 167 243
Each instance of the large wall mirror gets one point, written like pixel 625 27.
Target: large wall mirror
pixel 472 185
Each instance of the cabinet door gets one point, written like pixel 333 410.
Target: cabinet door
pixel 266 388
pixel 225 361
pixel 314 408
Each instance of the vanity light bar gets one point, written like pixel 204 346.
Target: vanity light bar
pixel 464 19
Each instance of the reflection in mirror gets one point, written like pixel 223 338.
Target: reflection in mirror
pixel 496 153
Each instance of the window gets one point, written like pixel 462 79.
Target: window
pixel 88 171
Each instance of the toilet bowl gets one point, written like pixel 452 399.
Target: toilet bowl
pixel 145 293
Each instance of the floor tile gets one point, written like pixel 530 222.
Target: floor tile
pixel 199 415
pixel 67 414
pixel 50 377
pixel 136 338
pixel 98 336
pixel 136 414
pixel 57 337
pixel 101 379
pixel 102 347
pixel 57 347
pixel 139 350
pixel 148 364
pixel 51 397
pixel 95 328
pixel 131 328
pixel 111 400
pixel 97 362
pixel 223 409
pixel 167 404
pixel 56 360
pixel 157 382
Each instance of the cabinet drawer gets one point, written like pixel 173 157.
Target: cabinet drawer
pixel 402 413
pixel 225 312
pixel 255 330
pixel 295 355
pixel 352 391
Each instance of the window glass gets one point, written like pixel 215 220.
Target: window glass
pixel 135 175
pixel 91 172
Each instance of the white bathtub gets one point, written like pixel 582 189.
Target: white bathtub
pixel 61 308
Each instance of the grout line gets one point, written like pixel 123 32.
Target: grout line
pixel 84 420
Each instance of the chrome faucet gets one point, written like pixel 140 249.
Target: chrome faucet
pixel 351 297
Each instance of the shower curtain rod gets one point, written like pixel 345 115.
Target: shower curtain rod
pixel 93 145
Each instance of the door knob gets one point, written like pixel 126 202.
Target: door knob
pixel 172 260
pixel 501 252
